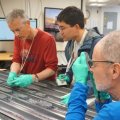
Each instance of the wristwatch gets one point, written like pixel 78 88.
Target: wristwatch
pixel 36 79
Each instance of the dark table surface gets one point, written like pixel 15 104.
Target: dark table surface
pixel 40 101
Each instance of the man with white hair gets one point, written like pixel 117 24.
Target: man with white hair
pixel 33 55
pixel 105 66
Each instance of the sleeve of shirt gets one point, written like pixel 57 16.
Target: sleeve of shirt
pixel 77 105
pixel 50 55
pixel 17 49
pixel 70 75
pixel 109 111
pixel 104 114
pixel 99 105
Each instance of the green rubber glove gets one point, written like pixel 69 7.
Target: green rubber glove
pixel 63 77
pixel 100 95
pixel 65 99
pixel 80 69
pixel 10 78
pixel 23 80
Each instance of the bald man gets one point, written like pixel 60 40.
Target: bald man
pixel 105 66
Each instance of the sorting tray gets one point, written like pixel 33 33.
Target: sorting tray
pixel 40 101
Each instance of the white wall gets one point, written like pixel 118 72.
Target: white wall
pixel 37 11
pixel 97 14
pixel 95 18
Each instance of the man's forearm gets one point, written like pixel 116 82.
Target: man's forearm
pixel 45 74
pixel 77 105
pixel 15 67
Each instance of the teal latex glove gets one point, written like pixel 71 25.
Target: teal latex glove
pixel 65 99
pixel 100 95
pixel 23 80
pixel 63 77
pixel 80 69
pixel 10 78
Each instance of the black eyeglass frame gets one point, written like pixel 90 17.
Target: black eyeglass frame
pixel 90 62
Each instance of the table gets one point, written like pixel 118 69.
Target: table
pixel 40 101
pixel 6 56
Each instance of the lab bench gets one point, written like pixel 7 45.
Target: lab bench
pixel 40 101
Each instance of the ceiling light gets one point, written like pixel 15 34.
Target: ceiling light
pixel 96 4
pixel 98 0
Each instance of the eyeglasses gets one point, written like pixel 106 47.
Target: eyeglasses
pixel 63 28
pixel 91 62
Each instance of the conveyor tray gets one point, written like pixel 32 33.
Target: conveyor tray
pixel 40 101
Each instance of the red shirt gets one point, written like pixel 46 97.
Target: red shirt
pixel 42 55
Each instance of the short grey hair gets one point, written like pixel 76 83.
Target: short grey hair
pixel 15 14
pixel 111 46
